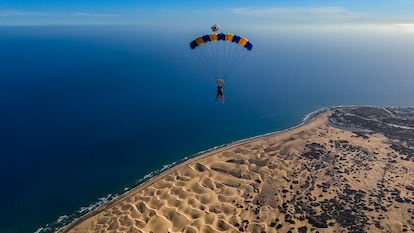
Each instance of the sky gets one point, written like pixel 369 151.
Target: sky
pixel 181 12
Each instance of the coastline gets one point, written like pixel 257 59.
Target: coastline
pixel 313 176
pixel 171 168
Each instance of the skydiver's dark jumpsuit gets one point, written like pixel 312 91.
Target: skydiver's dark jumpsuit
pixel 220 95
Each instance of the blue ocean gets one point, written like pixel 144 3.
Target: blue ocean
pixel 87 111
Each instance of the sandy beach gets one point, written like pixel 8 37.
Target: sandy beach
pixel 312 178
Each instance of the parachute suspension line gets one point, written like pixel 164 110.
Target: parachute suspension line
pixel 228 51
pixel 210 58
pixel 234 55
pixel 213 55
pixel 225 47
pixel 224 62
pixel 224 57
pixel 200 59
pixel 219 59
pixel 231 51
pixel 216 52
pixel 203 59
pixel 219 47
pixel 207 53
pixel 235 59
pixel 240 58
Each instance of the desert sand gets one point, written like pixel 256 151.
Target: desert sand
pixel 313 178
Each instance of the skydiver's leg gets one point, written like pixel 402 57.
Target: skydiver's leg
pixel 220 97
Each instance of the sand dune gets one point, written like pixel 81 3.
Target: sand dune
pixel 314 178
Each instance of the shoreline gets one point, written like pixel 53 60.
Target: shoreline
pixel 310 176
pixel 186 161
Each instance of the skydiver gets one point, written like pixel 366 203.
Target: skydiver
pixel 220 85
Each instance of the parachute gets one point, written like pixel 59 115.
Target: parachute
pixel 220 53
pixel 224 37
pixel 215 27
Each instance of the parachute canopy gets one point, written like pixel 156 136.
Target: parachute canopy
pixel 220 53
pixel 242 41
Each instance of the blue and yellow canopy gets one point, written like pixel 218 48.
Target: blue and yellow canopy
pixel 242 41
